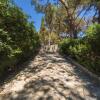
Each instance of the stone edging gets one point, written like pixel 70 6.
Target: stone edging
pixel 83 68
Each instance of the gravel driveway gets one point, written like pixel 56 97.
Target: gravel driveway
pixel 51 77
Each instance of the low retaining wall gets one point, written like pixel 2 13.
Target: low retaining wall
pixel 83 68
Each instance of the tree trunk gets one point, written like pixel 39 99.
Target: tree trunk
pixel 99 16
pixel 49 41
pixel 75 34
pixel 71 22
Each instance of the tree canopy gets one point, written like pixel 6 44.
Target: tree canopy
pixel 75 11
pixel 18 37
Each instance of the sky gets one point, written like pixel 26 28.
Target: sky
pixel 26 6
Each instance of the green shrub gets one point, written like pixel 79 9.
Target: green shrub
pixel 86 50
pixel 65 45
pixel 18 37
pixel 80 50
pixel 7 53
pixel 93 38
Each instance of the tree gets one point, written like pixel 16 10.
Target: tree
pixel 71 13
pixel 43 32
pixel 94 5
pixel 18 37
pixel 50 19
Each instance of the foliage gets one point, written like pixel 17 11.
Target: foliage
pixel 65 44
pixel 93 38
pixel 86 50
pixel 54 38
pixel 18 37
pixel 61 15
pixel 45 34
